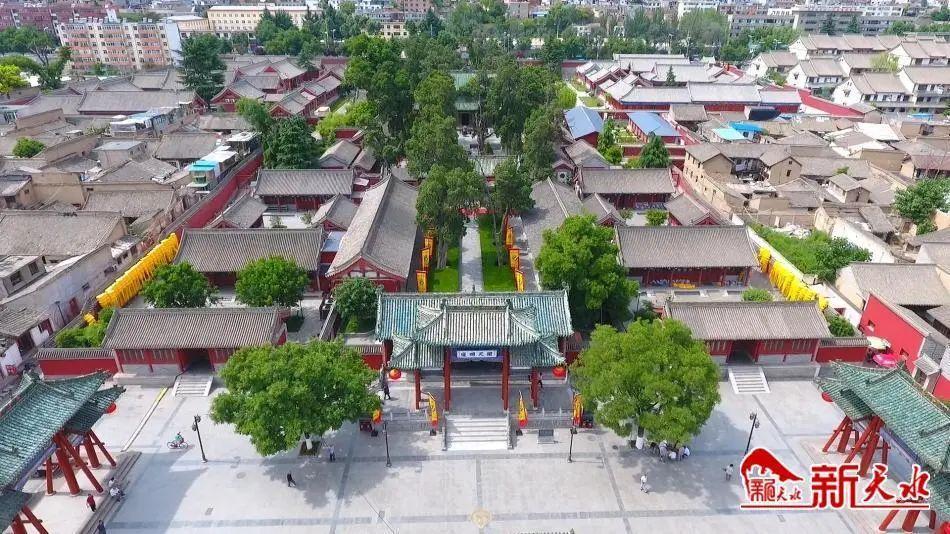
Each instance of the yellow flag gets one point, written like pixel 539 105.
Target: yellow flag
pixel 522 412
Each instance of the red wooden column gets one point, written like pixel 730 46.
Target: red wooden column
pixel 505 363
pixel 447 378
pixel 64 442
pixel 49 477
pixel 534 386
pixel 842 433
pixel 91 435
pixel 90 452
pixel 910 519
pixel 17 525
pixel 867 445
pixel 417 378
pixel 62 458
pixel 31 519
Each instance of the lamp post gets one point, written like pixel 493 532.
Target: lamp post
pixel 389 462
pixel 754 417
pixel 570 448
pixel 201 446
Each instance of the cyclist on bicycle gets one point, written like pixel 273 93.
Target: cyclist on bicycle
pixel 178 441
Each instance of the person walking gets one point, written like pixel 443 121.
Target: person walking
pixel 100 527
pixel 729 469
pixel 664 452
pixel 111 482
pixel 290 480
pixel 684 454
pixel 331 453
pixel 115 493
pixel 91 502
pixel 643 484
pixel 384 384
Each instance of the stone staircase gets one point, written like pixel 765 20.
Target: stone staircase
pixel 748 380
pixel 477 433
pixel 109 506
pixel 193 385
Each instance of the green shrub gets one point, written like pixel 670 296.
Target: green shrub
pixel 754 294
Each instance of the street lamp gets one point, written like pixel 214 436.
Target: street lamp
pixel 570 449
pixel 754 417
pixel 389 462
pixel 201 446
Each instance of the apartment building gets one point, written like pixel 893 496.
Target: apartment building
pixel 816 74
pixel 872 18
pixel 393 29
pixel 685 6
pixel 739 22
pixel 414 6
pixel 228 20
pixel 883 90
pixel 126 46
pixel 47 16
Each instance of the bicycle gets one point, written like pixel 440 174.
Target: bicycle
pixel 177 445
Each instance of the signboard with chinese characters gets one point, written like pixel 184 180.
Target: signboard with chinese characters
pixel 476 355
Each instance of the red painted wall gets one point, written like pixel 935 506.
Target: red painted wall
pixel 78 367
pixel 878 320
pixel 942 389
pixel 846 354
pixel 389 282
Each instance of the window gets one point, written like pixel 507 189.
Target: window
pixel 16 278
pixel 33 268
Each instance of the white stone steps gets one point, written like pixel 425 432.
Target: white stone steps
pixel 193 385
pixel 477 433
pixel 748 380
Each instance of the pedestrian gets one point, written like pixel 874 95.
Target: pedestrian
pixel 685 453
pixel 100 527
pixel 384 384
pixel 664 452
pixel 115 493
pixel 729 469
pixel 111 482
pixel 643 484
pixel 653 448
pixel 290 480
pixel 386 395
pixel 540 383
pixel 91 502
pixel 331 453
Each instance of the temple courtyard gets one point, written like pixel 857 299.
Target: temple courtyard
pixel 531 488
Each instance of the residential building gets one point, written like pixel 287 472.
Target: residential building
pixel 769 62
pixel 414 6
pixel 47 16
pixel 929 86
pixel 228 20
pixel 393 29
pixel 739 22
pixel 818 74
pixel 883 90
pixel 686 6
pixel 125 46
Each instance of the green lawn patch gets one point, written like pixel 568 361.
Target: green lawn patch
pixel 339 103
pixel 579 86
pixel 496 278
pixel 447 280
pixel 353 326
pixel 816 254
pixel 590 101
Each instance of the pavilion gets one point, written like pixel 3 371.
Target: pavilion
pixel 432 332
pixel 41 419
pixel 875 399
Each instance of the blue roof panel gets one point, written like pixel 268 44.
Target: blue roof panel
pixel 728 134
pixel 583 121
pixel 652 123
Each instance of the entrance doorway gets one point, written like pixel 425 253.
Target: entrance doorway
pixel 196 361
pixel 742 353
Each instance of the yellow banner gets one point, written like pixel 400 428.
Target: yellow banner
pixel 433 411
pixel 519 281
pixel 578 409
pixel 127 286
pixel 509 237
pixel 426 257
pixel 522 412
pixel 514 258
pixel 428 243
pixel 422 281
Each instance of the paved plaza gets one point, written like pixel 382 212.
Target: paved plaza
pixel 530 489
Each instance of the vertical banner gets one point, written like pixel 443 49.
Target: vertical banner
pixel 519 281
pixel 522 412
pixel 514 258
pixel 428 242
pixel 578 410
pixel 433 412
pixel 426 257
pixel 422 281
pixel 509 237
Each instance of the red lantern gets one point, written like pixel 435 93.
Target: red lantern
pixel 559 371
pixel 826 397
pixel 395 374
pixel 112 407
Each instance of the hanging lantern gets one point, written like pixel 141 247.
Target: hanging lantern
pixel 395 374
pixel 559 371
pixel 826 397
pixel 112 407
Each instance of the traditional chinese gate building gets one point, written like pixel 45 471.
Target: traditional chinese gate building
pixel 429 332
pixel 45 419
pixel 879 402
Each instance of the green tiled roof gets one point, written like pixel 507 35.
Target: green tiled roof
pixel 409 355
pixel 10 504
pixel 845 398
pixel 404 314
pixel 36 411
pixel 939 487
pixel 475 326
pixel 544 353
pixel 916 417
pixel 93 410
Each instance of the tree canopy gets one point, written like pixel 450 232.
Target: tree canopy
pixel 541 135
pixel 26 147
pixel 273 281
pixel 920 201
pixel 178 285
pixel 654 374
pixel 654 154
pixel 582 257
pixel 656 217
pixel 511 194
pixel 754 294
pixel 277 394
pixel 442 197
pixel 10 79
pixel 201 67
pixel 356 298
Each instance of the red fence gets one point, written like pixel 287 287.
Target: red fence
pixel 209 207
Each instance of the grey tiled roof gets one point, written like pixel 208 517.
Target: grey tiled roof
pixel 135 203
pixel 74 354
pixel 553 202
pixel 223 121
pixel 132 101
pixel 339 210
pixel 191 145
pixel 901 284
pixel 686 210
pixel 583 154
pixel 383 230
pixel 191 328
pixel 244 212
pixel 750 320
pixel 15 321
pixel 145 170
pixel 626 181
pixel 343 152
pixel 688 112
pixel 304 182
pixel 685 246
pixel 48 233
pixel 229 250
pixel 601 208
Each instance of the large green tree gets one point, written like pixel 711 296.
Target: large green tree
pixel 26 147
pixel 434 141
pixel 582 257
pixel 838 253
pixel 920 201
pixel 273 281
pixel 443 195
pixel 541 136
pixel 49 71
pixel 201 67
pixel 656 374
pixel 435 95
pixel 376 67
pixel 654 154
pixel 356 298
pixel 511 193
pixel 10 79
pixel 275 395
pixel 703 29
pixel 515 93
pixel 178 285
pixel 290 145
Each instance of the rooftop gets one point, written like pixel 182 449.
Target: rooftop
pixel 644 247
pixel 191 328
pixel 229 250
pixel 736 321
